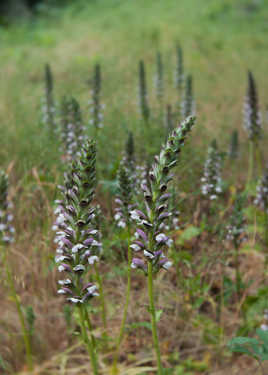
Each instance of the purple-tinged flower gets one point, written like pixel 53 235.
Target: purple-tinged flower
pixel 211 180
pixel 152 239
pixel 261 199
pixel 77 238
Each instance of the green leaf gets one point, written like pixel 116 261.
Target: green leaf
pixel 158 315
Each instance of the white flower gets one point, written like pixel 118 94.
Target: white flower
pixel 135 247
pixel 77 247
pixel 167 265
pixel 93 259
pixel 148 254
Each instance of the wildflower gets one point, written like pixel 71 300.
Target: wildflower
pixel 188 104
pixel 72 128
pixel 252 116
pixel 77 239
pixel 143 100
pixel 6 228
pixel 149 236
pixel 212 182
pixel 124 199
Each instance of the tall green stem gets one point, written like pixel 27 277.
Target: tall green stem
pixel 102 299
pixel 90 328
pixel 88 342
pixel 122 327
pixel 26 336
pixel 266 236
pixel 153 318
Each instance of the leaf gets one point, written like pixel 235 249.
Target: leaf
pixel 188 234
pixel 158 315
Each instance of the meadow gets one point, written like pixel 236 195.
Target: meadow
pixel 166 270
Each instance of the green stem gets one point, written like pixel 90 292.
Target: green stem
pixel 102 299
pixel 26 337
pixel 153 318
pixel 250 163
pixel 266 237
pixel 90 328
pixel 122 327
pixel 258 158
pixel 88 342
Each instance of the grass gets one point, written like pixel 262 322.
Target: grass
pixel 221 41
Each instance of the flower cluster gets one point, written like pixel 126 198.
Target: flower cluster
pixel 124 198
pixel 142 93
pixel 236 230
pixel 48 105
pixel 95 103
pixel 72 128
pixel 188 103
pixel 159 79
pixel 252 116
pixel 261 199
pixel 149 236
pixel 6 229
pixel 76 236
pixel 179 74
pixel 212 182
pixel 172 223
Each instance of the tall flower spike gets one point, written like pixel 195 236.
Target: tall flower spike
pixel 188 104
pixel 179 71
pixel 143 100
pixel 252 116
pixel 234 146
pixel 124 198
pixel 150 238
pixel 159 78
pixel 78 245
pixel 49 105
pixel 6 229
pixel 211 180
pixel 95 103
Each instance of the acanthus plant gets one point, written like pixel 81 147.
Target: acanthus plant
pixel 252 124
pixel 48 105
pixel 7 233
pixel 78 240
pixel 150 237
pixel 72 131
pixel 96 108
pixel 211 180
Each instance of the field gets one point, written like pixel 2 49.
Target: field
pixel 216 288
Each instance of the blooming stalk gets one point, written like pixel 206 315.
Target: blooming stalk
pixel 159 79
pixel 150 238
pixel 212 182
pixel 179 71
pixel 77 238
pixel 252 123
